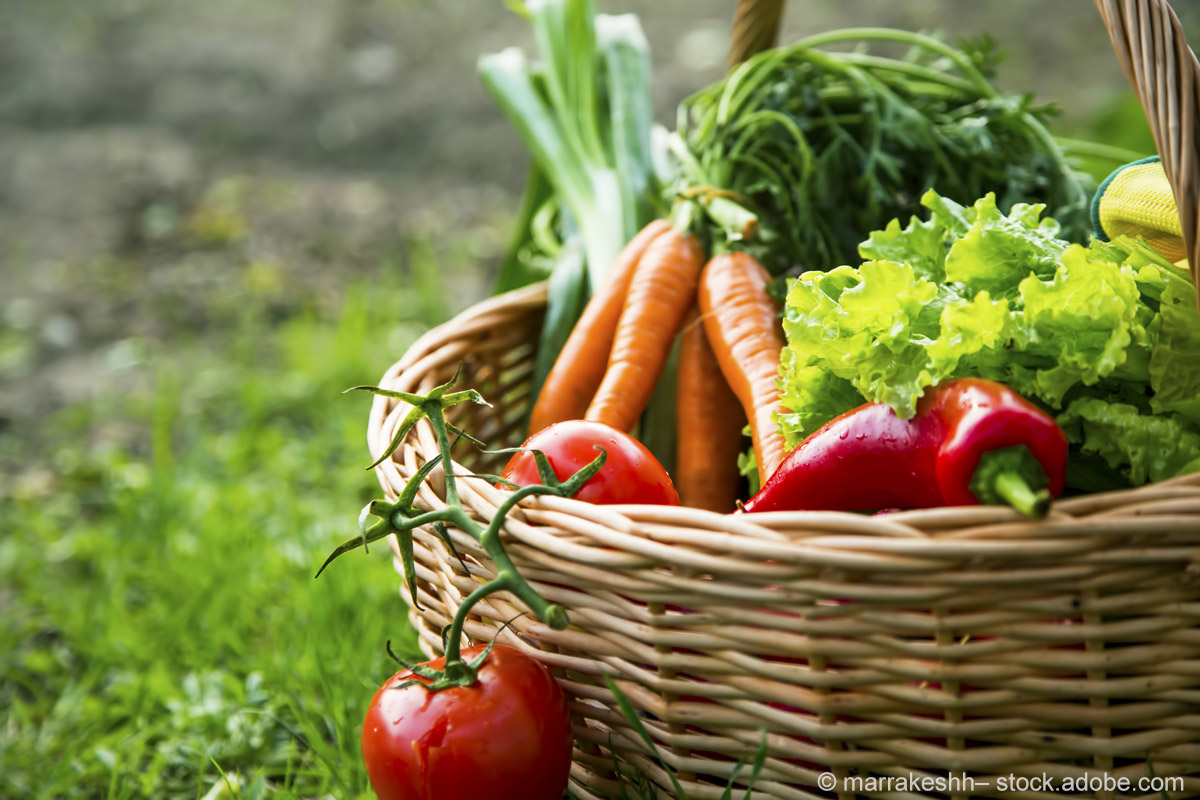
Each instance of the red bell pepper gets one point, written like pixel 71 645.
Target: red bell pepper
pixel 971 441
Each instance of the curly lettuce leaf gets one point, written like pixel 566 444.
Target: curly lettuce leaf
pixel 859 325
pixel 1145 447
pixel 814 396
pixel 1174 372
pixel 967 329
pixel 921 245
pixel 1084 320
pixel 747 466
pixel 955 219
pixel 997 251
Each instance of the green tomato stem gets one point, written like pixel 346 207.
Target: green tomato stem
pixel 438 421
pixel 507 577
pixel 454 635
pixel 401 518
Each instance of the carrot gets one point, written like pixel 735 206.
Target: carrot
pixel 662 290
pixel 579 368
pixel 743 327
pixel 710 421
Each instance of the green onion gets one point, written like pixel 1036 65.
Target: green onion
pixel 583 109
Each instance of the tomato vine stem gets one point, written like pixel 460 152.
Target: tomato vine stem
pixel 401 517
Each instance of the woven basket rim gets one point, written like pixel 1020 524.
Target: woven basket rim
pixel 1001 521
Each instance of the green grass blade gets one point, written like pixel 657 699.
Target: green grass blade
pixel 759 759
pixel 631 716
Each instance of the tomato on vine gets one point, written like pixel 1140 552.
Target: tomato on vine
pixel 630 474
pixel 482 722
pixel 507 736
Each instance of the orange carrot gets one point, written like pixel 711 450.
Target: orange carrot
pixel 710 420
pixel 662 290
pixel 743 327
pixel 579 368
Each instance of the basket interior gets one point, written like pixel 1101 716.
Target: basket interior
pixel 500 365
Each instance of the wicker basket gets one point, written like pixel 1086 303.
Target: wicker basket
pixel 956 641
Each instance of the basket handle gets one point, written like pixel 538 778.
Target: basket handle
pixel 1166 77
pixel 755 28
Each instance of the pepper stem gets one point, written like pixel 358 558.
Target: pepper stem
pixel 1012 476
pixel 1015 491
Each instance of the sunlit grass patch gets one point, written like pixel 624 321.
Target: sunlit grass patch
pixel 161 633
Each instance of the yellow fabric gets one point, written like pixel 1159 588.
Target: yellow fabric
pixel 1138 202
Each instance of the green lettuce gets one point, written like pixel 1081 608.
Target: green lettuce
pixel 1173 363
pixel 997 252
pixel 1106 335
pixel 1147 447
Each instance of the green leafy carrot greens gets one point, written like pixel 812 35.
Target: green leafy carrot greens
pixel 803 150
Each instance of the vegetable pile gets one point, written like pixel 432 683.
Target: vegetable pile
pixel 730 355
pixel 1106 335
pixel 791 179
pixel 742 297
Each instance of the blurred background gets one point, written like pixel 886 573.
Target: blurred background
pixel 213 218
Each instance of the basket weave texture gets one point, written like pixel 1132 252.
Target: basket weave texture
pixel 920 643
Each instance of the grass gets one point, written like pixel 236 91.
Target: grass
pixel 161 634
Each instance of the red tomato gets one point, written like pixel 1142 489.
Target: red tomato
pixel 630 473
pixel 507 737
